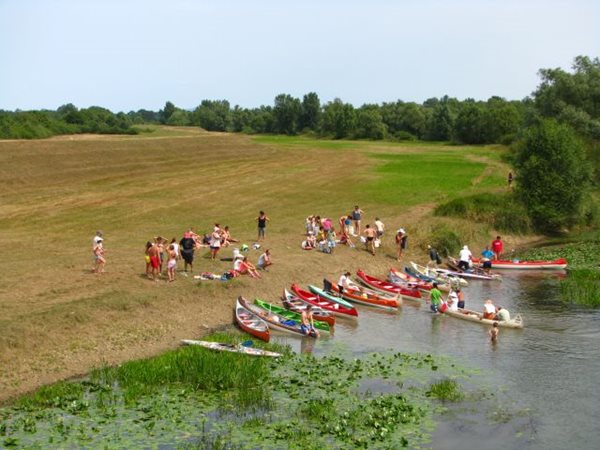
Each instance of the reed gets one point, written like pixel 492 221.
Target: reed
pixel 582 287
pixel 446 390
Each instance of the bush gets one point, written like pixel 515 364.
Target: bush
pixel 504 212
pixel 445 240
pixel 404 136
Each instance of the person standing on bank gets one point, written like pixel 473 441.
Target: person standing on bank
pixel 401 242
pixel 434 257
pixel 497 248
pixel 510 179
pixel 357 217
pixel 262 220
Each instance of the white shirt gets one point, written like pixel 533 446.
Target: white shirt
pixel 379 225
pixel 176 248
pixel 489 308
pixel 465 255
pixel 343 281
pixel 453 301
pixel 237 263
pixel 96 240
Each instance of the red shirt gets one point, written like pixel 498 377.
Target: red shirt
pixel 497 246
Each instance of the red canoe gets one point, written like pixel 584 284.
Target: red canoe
pixel 320 302
pixel 557 264
pixel 386 286
pixel 293 303
pixel 251 323
pixel 366 298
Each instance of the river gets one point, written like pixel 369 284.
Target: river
pixel 548 372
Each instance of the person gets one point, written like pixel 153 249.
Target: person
pixel 465 257
pixel 331 238
pixel 434 257
pixel 486 258
pixel 357 216
pixel 159 242
pixel 264 260
pixel 215 241
pixel 246 267
pixel 343 282
pixel 401 242
pixel 510 179
pixel 494 332
pixel 99 259
pixel 226 238
pixel 489 310
pixel 262 220
pixel 370 236
pixel 171 263
pixel 452 301
pixel 307 322
pixel 502 314
pixel 154 253
pixel 380 227
pixel 345 239
pixel 310 242
pixel 187 245
pixel 147 258
pixel 435 297
pixel 176 248
pixel 461 298
pixel 497 247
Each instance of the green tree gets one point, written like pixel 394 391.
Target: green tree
pixel 286 112
pixel 213 115
pixel 166 112
pixel 339 119
pixel 369 123
pixel 311 112
pixel 552 175
pixel 470 124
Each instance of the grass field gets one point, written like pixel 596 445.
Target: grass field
pixel 58 319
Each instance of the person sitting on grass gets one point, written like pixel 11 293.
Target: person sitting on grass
pixel 310 242
pixel 226 238
pixel 264 260
pixel 247 268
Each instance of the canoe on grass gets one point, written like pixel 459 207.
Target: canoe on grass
pixel 327 296
pixel 250 322
pixel 296 304
pixel 275 321
pixel 475 316
pixel 291 315
pixel 439 275
pixel 404 279
pixel 367 298
pixel 474 272
pixel 387 287
pixel 557 264
pixel 231 348
pixel 323 303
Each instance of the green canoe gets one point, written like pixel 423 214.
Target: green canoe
pixel 323 326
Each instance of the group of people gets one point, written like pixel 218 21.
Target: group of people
pixel 242 266
pixel 455 300
pixel 157 252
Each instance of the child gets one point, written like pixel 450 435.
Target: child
pixel 494 332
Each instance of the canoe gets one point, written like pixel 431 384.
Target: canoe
pixel 475 316
pixel 331 297
pixel 439 275
pixel 294 303
pixel 323 303
pixel 274 321
pixel 474 272
pixel 366 298
pixel 291 315
pixel 231 348
pixel 557 264
pixel 250 322
pixel 404 279
pixel 386 286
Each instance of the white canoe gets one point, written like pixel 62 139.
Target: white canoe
pixel 231 348
pixel 474 316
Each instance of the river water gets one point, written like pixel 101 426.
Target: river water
pixel 548 373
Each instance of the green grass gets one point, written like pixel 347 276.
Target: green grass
pixel 582 287
pixel 446 390
pixel 501 211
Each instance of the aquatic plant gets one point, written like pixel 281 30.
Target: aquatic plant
pixel 445 390
pixel 582 287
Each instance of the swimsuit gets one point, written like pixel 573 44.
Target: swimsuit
pixel 172 263
pixel 154 262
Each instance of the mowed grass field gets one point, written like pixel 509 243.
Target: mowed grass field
pixel 58 319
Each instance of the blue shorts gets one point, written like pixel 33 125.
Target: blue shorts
pixel 306 329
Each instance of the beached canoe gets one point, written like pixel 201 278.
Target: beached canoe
pixel 275 321
pixel 475 316
pixel 439 275
pixel 219 346
pixel 557 264
pixel 474 272
pixel 386 286
pixel 329 296
pixel 250 322
pixel 404 279
pixel 363 297
pixel 291 315
pixel 296 304
pixel 323 303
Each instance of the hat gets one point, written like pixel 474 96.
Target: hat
pixel 99 239
pixel 466 247
pixel 401 230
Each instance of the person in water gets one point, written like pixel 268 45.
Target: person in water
pixel 435 298
pixel 307 325
pixel 494 332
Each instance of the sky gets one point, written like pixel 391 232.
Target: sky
pixel 131 54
